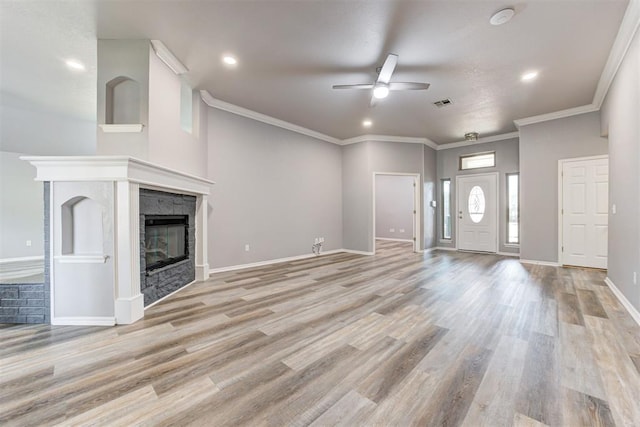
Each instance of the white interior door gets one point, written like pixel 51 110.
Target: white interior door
pixel 478 212
pixel 585 212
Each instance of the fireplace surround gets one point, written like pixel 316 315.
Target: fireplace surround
pixel 94 248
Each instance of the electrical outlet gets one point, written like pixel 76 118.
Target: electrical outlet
pixel 402 230
pixel 613 209
pixel 635 278
pixel 28 242
pixel 392 230
pixel 247 248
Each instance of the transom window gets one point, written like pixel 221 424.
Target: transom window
pixel 478 160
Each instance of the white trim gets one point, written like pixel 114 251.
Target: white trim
pixel 390 138
pixel 444 248
pixel 536 262
pixel 117 128
pixel 512 254
pixel 235 109
pixel 417 191
pixel 15 268
pixel 168 295
pixel 116 168
pixel 84 321
pixel 494 138
pixel 628 27
pixel 457 188
pixel 589 108
pixel 394 240
pixel 561 163
pixel 166 56
pixel 623 300
pixel 81 259
pixel 271 261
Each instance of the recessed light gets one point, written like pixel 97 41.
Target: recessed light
pixel 367 123
pixel 502 16
pixel 381 91
pixel 75 65
pixel 229 60
pixel 526 77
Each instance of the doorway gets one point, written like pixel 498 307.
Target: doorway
pixel 477 206
pixel 584 211
pixel 396 211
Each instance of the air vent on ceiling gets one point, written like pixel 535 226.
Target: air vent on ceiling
pixel 443 103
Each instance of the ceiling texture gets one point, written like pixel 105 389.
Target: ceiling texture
pixel 290 53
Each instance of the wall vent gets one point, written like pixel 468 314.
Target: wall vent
pixel 443 103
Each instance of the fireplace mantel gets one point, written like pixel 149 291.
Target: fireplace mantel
pixel 109 185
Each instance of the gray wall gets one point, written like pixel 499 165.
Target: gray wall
pixel 275 190
pixel 507 161
pixel 394 206
pixel 621 117
pixel 21 208
pixel 429 188
pixel 541 146
pixel 359 162
pixel 169 144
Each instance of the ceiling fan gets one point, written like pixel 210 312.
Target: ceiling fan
pixel 383 83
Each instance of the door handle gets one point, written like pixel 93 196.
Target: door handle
pixel 460 215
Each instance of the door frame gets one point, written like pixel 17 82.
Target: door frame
pixel 457 210
pixel 561 164
pixel 417 243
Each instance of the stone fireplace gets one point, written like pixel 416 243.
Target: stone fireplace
pixel 97 211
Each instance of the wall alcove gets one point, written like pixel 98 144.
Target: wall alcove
pixel 82 231
pixel 122 105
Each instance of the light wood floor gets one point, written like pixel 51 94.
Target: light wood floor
pixel 396 339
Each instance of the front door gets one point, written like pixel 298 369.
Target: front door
pixel 477 212
pixel 585 208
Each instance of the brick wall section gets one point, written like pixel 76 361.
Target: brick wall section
pixel 161 282
pixel 29 302
pixel 22 303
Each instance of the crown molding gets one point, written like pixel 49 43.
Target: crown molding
pixel 390 138
pixel 231 108
pixel 166 56
pixel 494 138
pixel 589 108
pixel 628 28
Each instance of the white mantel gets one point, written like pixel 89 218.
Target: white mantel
pixel 113 184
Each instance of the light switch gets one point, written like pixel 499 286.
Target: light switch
pixel 613 209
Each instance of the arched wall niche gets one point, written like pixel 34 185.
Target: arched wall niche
pixel 122 101
pixel 81 227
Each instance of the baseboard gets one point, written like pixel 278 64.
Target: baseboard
pixel 536 262
pixel 443 248
pixel 84 321
pixel 15 268
pixel 168 295
pixel 513 254
pixel 623 300
pixel 394 240
pixel 272 261
pixel 353 251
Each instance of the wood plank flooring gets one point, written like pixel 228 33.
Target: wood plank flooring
pixel 396 339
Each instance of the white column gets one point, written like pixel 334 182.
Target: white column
pixel 129 305
pixel 202 264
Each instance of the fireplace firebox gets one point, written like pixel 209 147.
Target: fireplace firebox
pixel 166 240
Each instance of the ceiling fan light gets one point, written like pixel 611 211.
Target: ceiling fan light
pixel 380 91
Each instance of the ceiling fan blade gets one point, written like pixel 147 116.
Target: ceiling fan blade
pixel 387 69
pixel 373 102
pixel 362 86
pixel 408 86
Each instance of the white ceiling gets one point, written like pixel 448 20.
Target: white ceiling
pixel 291 52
